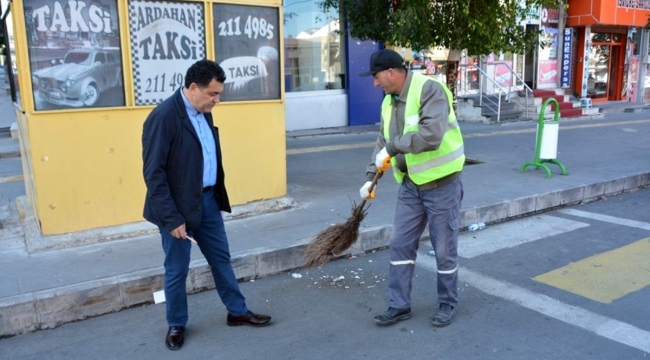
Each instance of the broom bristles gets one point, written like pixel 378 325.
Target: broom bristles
pixel 335 239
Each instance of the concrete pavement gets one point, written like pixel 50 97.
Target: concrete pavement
pixel 42 289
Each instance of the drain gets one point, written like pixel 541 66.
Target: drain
pixel 472 162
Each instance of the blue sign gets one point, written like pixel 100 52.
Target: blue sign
pixel 565 65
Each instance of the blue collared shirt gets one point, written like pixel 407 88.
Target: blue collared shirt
pixel 207 142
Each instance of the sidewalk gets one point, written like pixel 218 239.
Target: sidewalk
pixel 41 290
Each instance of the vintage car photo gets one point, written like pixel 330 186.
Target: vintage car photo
pixel 80 78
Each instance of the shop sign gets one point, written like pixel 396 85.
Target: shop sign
pixel 634 4
pixel 550 16
pixel 547 72
pixel 532 15
pixel 166 39
pixel 565 72
pixel 74 53
pixel 247 47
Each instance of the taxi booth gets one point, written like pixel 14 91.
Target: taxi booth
pixel 90 71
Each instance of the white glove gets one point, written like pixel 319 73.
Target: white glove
pixel 363 192
pixel 223 215
pixel 382 160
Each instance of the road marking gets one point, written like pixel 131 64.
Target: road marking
pixel 608 328
pixel 563 127
pixel 606 218
pixel 513 233
pixel 329 148
pixel 465 136
pixel 12 178
pixel 605 277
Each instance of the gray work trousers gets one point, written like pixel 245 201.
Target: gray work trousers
pixel 440 208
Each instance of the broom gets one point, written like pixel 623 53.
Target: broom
pixel 337 238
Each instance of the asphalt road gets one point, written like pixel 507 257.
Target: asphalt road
pixel 567 284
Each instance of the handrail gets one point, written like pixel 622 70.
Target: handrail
pixel 508 92
pixel 514 73
pixel 501 88
pixel 518 78
pixel 486 76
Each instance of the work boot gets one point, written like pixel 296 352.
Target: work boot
pixel 444 315
pixel 392 316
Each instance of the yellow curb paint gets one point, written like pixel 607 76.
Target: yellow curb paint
pixel 330 148
pixel 605 277
pixel 371 145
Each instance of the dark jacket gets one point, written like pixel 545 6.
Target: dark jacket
pixel 173 167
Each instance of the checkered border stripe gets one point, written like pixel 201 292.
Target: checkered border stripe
pixel 135 63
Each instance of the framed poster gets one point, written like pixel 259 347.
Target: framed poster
pixel 166 39
pixel 247 48
pixel 74 53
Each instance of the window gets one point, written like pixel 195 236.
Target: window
pixel 247 46
pixel 73 32
pixel 100 58
pixel 314 47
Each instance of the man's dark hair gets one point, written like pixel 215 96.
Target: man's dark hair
pixel 202 72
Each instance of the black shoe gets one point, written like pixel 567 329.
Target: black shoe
pixel 392 316
pixel 250 318
pixel 444 315
pixel 175 337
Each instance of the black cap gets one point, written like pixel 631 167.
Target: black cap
pixel 383 60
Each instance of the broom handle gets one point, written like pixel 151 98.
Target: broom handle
pixel 372 186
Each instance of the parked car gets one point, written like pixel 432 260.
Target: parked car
pixel 80 79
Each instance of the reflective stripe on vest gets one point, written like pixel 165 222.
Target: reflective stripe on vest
pixel 430 165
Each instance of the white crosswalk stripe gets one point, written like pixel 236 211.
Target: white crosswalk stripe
pixel 608 328
pixel 513 233
pixel 606 218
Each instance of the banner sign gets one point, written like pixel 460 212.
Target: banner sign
pixel 74 53
pixel 247 46
pixel 632 73
pixel 548 60
pixel 547 72
pixel 565 71
pixel 166 39
pixel 503 75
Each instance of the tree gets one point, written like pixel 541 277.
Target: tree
pixel 479 26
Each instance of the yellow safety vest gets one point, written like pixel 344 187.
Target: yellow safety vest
pixel 430 165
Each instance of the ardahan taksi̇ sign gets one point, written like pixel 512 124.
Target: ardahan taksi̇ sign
pixel 166 39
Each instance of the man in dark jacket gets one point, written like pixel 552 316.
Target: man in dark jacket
pixel 186 195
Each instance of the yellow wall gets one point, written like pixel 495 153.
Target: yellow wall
pixel 83 168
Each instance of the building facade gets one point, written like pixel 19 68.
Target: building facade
pixel 612 49
pixel 88 74
pixel 321 70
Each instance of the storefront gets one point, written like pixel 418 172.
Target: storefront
pixel 321 70
pixel 609 32
pixel 89 72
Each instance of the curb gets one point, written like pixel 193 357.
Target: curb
pixel 50 308
pixel 36 241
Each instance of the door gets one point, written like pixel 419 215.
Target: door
pixel 615 74
pixel 606 65
pixel 530 62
